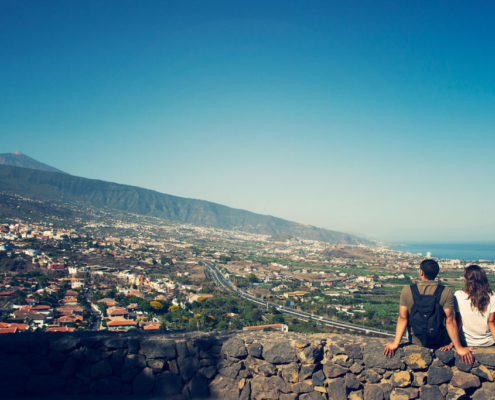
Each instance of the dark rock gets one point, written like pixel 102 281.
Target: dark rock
pixel 370 376
pixel 318 378
pixel 156 365
pixel 437 363
pixel 486 356
pixel 226 389
pixel 116 368
pixel 455 393
pixel 418 360
pixel 419 379
pixel 197 388
pixel 464 380
pixel 279 352
pixel 89 342
pixel 255 350
pixel 356 368
pixel 444 389
pixel 76 387
pixel 136 360
pixel 144 382
pixel 430 392
pixel 343 360
pixel 230 372
pixel 158 348
pixel 126 389
pixel 278 383
pixel 133 346
pixel 354 350
pixel 445 356
pixel 246 392
pixel 351 382
pixel 332 370
pixel 290 372
pixel 56 358
pixel 181 349
pixel 310 354
pixel 41 365
pixel 356 395
pixel 168 384
pixel 244 373
pixel 483 372
pixel 93 355
pixel 208 372
pixel 77 355
pixel 115 343
pixel 405 393
pixel 312 396
pixel 69 368
pixel 437 376
pixel 461 366
pixel 373 392
pixel 373 357
pixel 235 347
pixel 266 369
pixel 107 386
pixel 303 387
pixel 117 357
pixel 128 373
pixel 173 367
pixel 64 344
pixel 188 367
pixel 401 379
pixel 290 396
pixel 44 385
pixel 206 362
pixel 387 389
pixel 205 343
pixel 306 371
pixel 101 369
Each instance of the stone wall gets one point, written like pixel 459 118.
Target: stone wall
pixel 235 365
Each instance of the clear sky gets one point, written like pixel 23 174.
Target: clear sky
pixel 369 117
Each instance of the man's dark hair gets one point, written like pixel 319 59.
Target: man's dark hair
pixel 430 269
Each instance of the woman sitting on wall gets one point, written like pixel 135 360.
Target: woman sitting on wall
pixel 475 310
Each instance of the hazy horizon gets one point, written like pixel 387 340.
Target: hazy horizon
pixel 375 119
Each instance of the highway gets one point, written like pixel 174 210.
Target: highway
pixel 225 285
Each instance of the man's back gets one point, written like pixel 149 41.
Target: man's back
pixel 426 287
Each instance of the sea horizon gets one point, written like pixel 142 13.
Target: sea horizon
pixel 466 250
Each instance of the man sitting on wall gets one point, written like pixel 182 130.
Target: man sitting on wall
pixel 423 309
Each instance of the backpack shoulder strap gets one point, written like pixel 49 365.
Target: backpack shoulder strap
pixel 415 291
pixel 438 292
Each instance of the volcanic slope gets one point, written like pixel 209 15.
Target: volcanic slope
pixel 18 159
pixel 65 187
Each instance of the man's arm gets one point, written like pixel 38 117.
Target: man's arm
pixel 390 347
pixel 464 352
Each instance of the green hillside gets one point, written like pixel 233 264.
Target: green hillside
pixel 52 185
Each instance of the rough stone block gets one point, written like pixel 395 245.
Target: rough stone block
pixel 373 392
pixel 431 392
pixel 155 348
pixel 101 369
pixel 332 370
pixel 437 376
pixel 144 382
pixel 279 352
pixel 255 350
pixel 64 344
pixel 464 380
pixel 168 384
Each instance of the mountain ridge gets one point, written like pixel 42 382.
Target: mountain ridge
pixel 61 186
pixel 18 159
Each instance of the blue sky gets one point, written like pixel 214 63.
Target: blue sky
pixel 375 118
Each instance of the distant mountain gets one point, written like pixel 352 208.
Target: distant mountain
pixel 17 159
pixel 59 186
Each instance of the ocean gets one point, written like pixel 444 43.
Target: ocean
pixel 458 251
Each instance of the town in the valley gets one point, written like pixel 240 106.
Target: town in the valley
pixel 73 267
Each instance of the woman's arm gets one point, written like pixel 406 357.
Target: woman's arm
pixel 491 324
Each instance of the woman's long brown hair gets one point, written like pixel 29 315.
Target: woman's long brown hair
pixel 477 287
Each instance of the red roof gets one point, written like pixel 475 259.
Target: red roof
pixel 8 330
pixel 121 323
pixel 61 329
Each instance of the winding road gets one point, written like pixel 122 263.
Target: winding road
pixel 222 283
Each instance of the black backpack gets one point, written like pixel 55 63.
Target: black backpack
pixel 427 317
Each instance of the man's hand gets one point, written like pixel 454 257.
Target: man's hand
pixel 390 348
pixel 465 354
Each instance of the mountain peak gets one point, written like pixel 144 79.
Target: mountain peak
pixel 18 159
